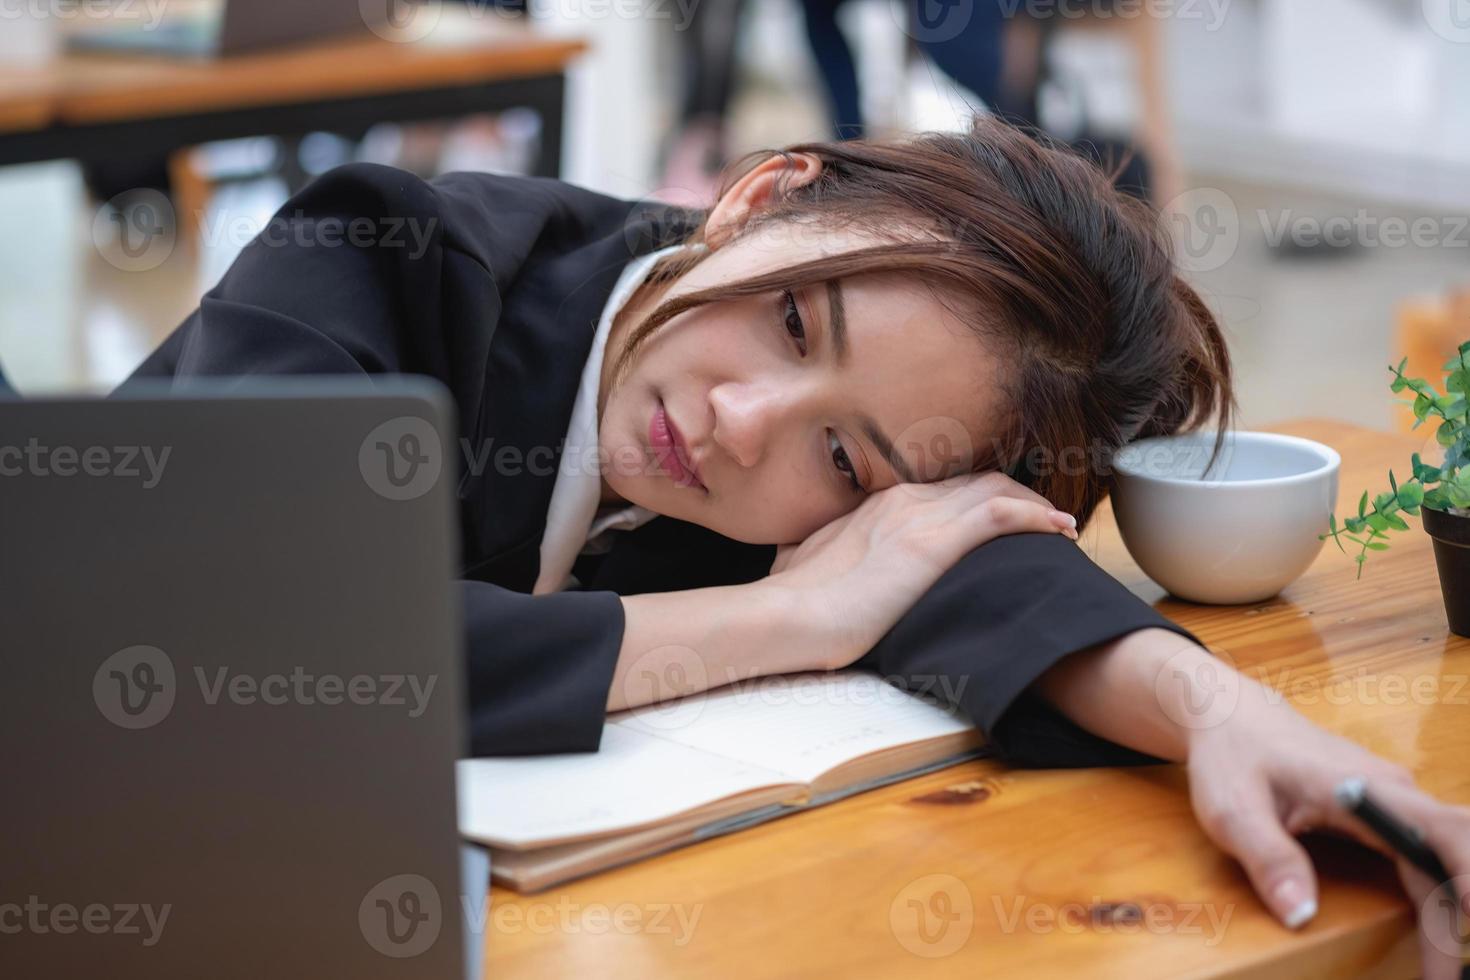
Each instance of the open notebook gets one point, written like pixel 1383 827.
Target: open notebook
pixel 682 771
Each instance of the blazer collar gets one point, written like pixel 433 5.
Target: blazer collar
pixel 536 356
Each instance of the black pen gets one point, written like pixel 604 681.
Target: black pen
pixel 1407 840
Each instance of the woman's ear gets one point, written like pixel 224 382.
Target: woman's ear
pixel 757 189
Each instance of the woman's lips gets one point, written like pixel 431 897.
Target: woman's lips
pixel 669 449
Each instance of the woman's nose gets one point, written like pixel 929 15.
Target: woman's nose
pixel 746 416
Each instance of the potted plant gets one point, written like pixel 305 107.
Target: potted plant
pixel 1440 495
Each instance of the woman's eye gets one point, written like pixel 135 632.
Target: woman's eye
pixel 843 463
pixel 794 326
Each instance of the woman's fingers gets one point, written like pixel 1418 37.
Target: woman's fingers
pixel 1440 948
pixel 997 516
pixel 997 484
pixel 1244 823
pixel 1443 910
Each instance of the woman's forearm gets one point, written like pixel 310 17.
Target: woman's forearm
pixel 1152 690
pixel 678 643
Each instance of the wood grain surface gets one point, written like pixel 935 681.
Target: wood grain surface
pixel 95 88
pixel 981 870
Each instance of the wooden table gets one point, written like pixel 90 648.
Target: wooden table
pixel 1030 873
pixel 96 106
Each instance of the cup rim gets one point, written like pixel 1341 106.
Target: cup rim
pixel 1331 460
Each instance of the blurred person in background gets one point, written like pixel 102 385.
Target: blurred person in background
pixel 999 50
pixel 698 147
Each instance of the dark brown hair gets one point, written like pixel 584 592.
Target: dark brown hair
pixel 1103 342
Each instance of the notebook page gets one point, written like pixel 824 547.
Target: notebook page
pixel 632 779
pixel 799 724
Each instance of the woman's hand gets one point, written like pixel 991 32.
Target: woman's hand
pixel 1266 774
pixel 1260 773
pixel 859 574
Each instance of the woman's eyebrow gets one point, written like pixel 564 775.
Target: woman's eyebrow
pixel 885 446
pixel 837 317
pixel 837 321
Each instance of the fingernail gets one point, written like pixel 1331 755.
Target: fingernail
pixel 1065 523
pixel 1292 895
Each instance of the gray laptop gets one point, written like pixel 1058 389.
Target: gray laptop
pixel 231 701
pixel 206 28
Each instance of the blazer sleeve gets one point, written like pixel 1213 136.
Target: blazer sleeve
pixel 539 668
pixel 994 623
pixel 350 277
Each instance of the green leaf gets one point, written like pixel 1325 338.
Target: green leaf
pixel 1377 546
pixel 1396 522
pixel 1363 504
pixel 1378 522
pixel 1332 533
pixel 1410 495
pixel 1445 434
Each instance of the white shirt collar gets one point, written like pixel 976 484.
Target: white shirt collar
pixel 578 488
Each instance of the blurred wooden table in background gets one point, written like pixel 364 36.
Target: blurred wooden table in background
pixel 980 870
pixel 93 106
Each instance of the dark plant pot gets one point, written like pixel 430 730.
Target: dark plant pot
pixel 1451 534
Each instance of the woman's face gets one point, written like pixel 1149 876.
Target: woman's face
pixel 784 433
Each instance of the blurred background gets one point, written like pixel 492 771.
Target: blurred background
pixel 1310 157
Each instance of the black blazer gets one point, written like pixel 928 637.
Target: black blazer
pixel 494 286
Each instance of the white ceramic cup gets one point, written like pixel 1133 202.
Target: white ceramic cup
pixel 1237 533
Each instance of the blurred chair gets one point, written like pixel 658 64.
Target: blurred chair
pixel 1429 332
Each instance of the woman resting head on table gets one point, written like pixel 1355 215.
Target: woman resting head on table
pixel 871 394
